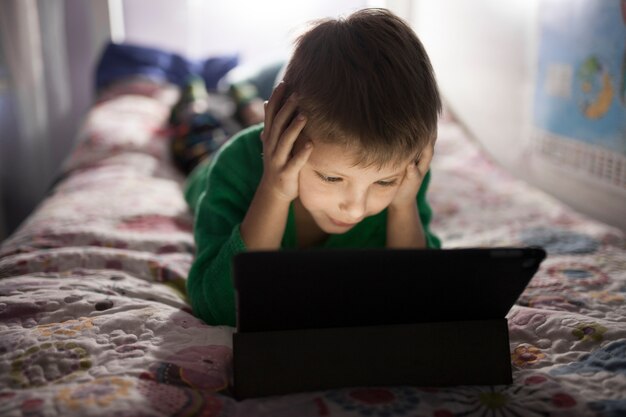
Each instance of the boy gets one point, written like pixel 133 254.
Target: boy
pixel 341 160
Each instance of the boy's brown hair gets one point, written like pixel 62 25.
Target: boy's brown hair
pixel 365 82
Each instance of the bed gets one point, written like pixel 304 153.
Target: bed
pixel 93 319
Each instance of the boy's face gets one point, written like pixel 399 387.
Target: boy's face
pixel 338 195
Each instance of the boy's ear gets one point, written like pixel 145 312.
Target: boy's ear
pixel 431 142
pixel 299 143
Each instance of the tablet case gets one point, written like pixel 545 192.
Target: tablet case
pixel 421 354
pixel 277 353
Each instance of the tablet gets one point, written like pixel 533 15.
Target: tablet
pixel 326 288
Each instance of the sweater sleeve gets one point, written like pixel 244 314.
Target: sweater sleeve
pixel 230 183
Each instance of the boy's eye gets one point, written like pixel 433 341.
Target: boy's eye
pixel 328 179
pixel 387 183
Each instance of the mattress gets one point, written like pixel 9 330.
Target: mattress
pixel 94 320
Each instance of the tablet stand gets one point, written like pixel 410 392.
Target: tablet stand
pixel 423 354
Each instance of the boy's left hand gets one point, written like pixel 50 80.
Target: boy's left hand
pixel 413 177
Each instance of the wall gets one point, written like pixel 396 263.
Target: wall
pixel 261 31
pixel 485 55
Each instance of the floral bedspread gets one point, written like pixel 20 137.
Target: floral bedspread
pixel 93 320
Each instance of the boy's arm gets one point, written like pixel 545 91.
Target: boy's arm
pixel 220 234
pixel 408 213
pixel 228 221
pixel 404 227
pixel 226 193
pixel 265 220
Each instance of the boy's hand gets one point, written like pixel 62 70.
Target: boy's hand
pixel 281 166
pixel 412 181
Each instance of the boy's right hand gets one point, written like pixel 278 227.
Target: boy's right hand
pixel 281 166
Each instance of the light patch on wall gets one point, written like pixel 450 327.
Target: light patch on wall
pixel 260 32
pixel 558 82
pixel 116 21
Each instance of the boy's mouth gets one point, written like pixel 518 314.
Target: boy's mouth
pixel 340 224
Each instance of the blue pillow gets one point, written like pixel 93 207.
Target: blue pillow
pixel 214 68
pixel 119 61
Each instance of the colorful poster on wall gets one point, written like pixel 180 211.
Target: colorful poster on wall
pixel 580 94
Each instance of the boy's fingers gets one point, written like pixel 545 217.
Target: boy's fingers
pixel 265 125
pixel 280 123
pixel 271 106
pixel 284 114
pixel 288 138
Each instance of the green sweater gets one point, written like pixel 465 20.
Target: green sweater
pixel 220 192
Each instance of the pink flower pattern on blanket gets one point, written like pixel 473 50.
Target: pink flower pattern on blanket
pixel 155 223
pixel 199 367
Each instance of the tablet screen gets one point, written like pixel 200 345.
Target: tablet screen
pixel 299 289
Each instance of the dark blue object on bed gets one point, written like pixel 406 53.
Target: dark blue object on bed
pixel 119 61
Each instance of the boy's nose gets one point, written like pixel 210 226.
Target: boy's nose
pixel 354 208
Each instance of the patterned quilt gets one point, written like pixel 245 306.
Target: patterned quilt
pixel 93 320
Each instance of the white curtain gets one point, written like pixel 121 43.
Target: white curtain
pixel 24 156
pixel 49 52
